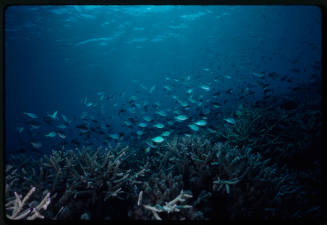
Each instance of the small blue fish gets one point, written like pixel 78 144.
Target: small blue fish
pixel 161 113
pixel 31 115
pixel 35 126
pixel 142 125
pixel 61 126
pixel 89 104
pixel 158 139
pixel 165 134
pixel 53 115
pixel 201 123
pixel 36 145
pixel 20 129
pixel 62 135
pixel 65 118
pixel 147 118
pixel 230 121
pixel 159 125
pixel 152 89
pixel 51 134
pixel 205 87
pixel 193 127
pixel 167 88
pixel 181 117
pixel 114 136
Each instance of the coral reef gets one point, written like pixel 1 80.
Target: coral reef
pixel 31 212
pixel 184 178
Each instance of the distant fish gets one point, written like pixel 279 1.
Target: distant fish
pixel 192 100
pixel 165 134
pixel 152 89
pixel 161 113
pixel 53 115
pixel 100 93
pixel 84 115
pixel 31 115
pixel 181 118
pixel 65 118
pixel 182 103
pixel 177 112
pixel 193 127
pixel 205 87
pixel 35 126
pixel 139 132
pixel 61 126
pixel 142 125
pixel 51 134
pixel 158 139
pixel 188 78
pixel 212 131
pixel 216 105
pixel 201 123
pixel 189 91
pixel 114 136
pixel 150 145
pixel 20 129
pixel 159 125
pixel 206 111
pixel 133 98
pixel 206 69
pixel 230 121
pixel 167 78
pixel 167 88
pixel 61 135
pixel 147 149
pixel 147 118
pixel 89 104
pixel 142 86
pixel 259 75
pixel 36 145
pixel 228 77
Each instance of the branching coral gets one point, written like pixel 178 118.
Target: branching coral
pixel 18 204
pixel 170 206
pixel 226 180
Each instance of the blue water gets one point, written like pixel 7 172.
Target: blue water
pixel 57 55
pixel 92 74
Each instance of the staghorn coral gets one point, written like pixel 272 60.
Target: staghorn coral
pixel 155 197
pixel 169 207
pixel 78 178
pixel 276 133
pixel 229 172
pixel 20 211
pixel 227 181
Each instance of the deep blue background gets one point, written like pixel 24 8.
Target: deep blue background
pixel 57 55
